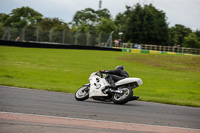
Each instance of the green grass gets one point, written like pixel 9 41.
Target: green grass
pixel 173 79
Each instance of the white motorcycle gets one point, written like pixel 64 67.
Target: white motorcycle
pixel 100 89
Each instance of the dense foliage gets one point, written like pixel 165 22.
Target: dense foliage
pixel 139 24
pixel 145 25
pixel 20 17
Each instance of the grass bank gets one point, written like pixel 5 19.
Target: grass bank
pixel 172 79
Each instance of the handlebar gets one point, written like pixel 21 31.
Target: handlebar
pixel 101 75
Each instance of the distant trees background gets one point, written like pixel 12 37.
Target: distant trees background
pixel 143 24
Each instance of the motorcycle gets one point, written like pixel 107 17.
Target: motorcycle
pixel 100 89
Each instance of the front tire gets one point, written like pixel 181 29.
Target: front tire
pixel 124 97
pixel 82 93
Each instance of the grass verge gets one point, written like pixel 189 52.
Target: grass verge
pixel 172 79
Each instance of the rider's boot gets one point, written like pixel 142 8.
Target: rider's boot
pixel 134 98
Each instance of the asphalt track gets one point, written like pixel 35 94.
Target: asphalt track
pixel 25 110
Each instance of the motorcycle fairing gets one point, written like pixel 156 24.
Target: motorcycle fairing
pixel 135 82
pixel 97 84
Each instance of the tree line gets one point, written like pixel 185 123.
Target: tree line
pixel 142 24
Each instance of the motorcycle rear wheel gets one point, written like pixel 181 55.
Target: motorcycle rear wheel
pixel 124 97
pixel 82 93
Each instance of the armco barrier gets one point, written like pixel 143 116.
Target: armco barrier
pixel 50 45
pixel 162 52
pixel 171 53
pixel 126 50
pixel 145 51
pixel 191 54
pixel 152 52
pixel 136 51
pixel 181 54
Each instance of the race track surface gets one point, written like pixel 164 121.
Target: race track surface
pixel 29 101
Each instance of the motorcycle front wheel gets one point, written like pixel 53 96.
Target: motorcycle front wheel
pixel 82 93
pixel 124 97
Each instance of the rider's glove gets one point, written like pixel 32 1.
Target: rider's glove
pixel 101 71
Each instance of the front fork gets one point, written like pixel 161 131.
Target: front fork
pixel 88 86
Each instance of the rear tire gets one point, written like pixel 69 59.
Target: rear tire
pixel 82 93
pixel 124 97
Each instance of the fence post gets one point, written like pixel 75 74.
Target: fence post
pixel 9 28
pixel 37 37
pixel 4 34
pixel 100 38
pixel 63 39
pixel 111 38
pixel 23 36
pixel 50 36
pixel 88 37
pixel 76 38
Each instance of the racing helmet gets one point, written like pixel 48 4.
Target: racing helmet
pixel 120 68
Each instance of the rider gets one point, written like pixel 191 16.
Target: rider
pixel 115 75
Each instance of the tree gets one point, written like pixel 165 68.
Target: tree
pixel 197 32
pixel 2 31
pixel 3 17
pixel 106 25
pixel 191 41
pixel 48 23
pixel 145 25
pixel 119 21
pixel 173 37
pixel 21 17
pixel 52 29
pixel 88 18
pixel 180 32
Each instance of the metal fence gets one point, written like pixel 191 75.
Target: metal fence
pixel 66 37
pixel 176 49
pixel 56 36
